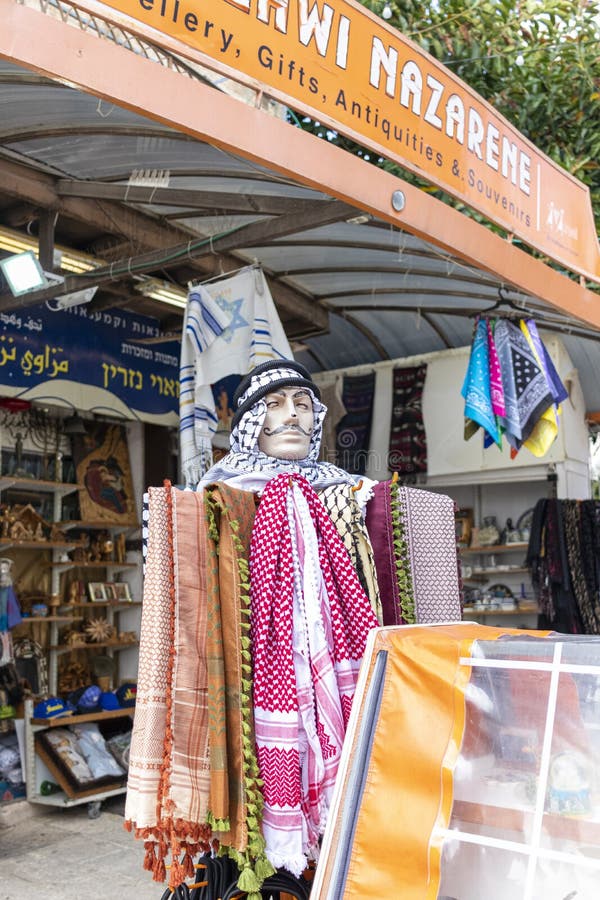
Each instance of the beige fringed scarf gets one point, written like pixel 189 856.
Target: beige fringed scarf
pixel 167 790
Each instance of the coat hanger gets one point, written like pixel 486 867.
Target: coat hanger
pixel 494 311
pixel 202 281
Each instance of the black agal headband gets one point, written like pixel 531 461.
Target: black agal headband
pixel 266 378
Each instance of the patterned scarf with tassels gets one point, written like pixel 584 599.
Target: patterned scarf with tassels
pixel 193 770
pixel 310 620
pixel 413 537
pixel 167 789
pixel 235 802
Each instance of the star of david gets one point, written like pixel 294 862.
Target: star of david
pixel 237 320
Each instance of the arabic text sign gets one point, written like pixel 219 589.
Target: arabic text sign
pixel 99 349
pixel 342 65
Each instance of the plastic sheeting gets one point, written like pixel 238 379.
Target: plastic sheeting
pixel 471 769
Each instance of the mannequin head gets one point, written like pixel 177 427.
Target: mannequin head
pixel 294 399
pixel 288 423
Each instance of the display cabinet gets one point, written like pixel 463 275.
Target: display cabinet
pixel 32 548
pixel 500 573
pixel 497 582
pixel 42 768
pixel 44 564
pixel 525 818
pixel 470 769
pixel 112 611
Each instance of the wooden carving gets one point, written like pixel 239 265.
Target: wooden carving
pixel 23 523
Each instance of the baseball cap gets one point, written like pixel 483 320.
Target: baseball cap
pixel 108 700
pixel 50 708
pixel 85 699
pixel 126 694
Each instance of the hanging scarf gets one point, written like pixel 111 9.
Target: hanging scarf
pixel 545 429
pixel 346 513
pixel 354 430
pixel 193 769
pixel 414 544
pixel 557 388
pixel 536 559
pixel 526 391
pixel 588 605
pixel 388 537
pixel 167 789
pixel 589 545
pixel 204 321
pixel 407 449
pixel 476 388
pixel 496 389
pixel 230 516
pixel 310 620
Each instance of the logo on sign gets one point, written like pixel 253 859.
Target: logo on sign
pixel 556 221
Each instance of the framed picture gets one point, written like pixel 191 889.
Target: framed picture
pixel 464 526
pixel 122 591
pixel 110 591
pixel 97 592
pixel 101 458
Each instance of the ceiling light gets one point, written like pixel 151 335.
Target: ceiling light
pixel 164 291
pixel 66 259
pixel 387 11
pixel 70 261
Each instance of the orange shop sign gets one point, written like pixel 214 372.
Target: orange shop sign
pixel 343 66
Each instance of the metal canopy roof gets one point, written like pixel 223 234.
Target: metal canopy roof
pixel 350 289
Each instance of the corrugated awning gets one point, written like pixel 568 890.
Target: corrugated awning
pixel 115 186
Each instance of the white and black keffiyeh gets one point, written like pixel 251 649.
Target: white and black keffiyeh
pixel 250 467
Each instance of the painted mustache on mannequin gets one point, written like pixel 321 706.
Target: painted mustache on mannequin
pixel 283 428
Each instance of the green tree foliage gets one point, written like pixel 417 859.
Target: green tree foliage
pixel 536 61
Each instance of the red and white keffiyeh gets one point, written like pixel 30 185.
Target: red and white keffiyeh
pixel 310 620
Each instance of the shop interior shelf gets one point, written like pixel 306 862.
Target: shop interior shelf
pixel 96 526
pixel 94 645
pixel 60 488
pixel 569 828
pixel 58 721
pixel 114 604
pixel 517 611
pixel 485 573
pixel 496 548
pixel 8 543
pixel 72 564
pixel 27 619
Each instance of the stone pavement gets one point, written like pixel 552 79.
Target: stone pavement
pixel 48 853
